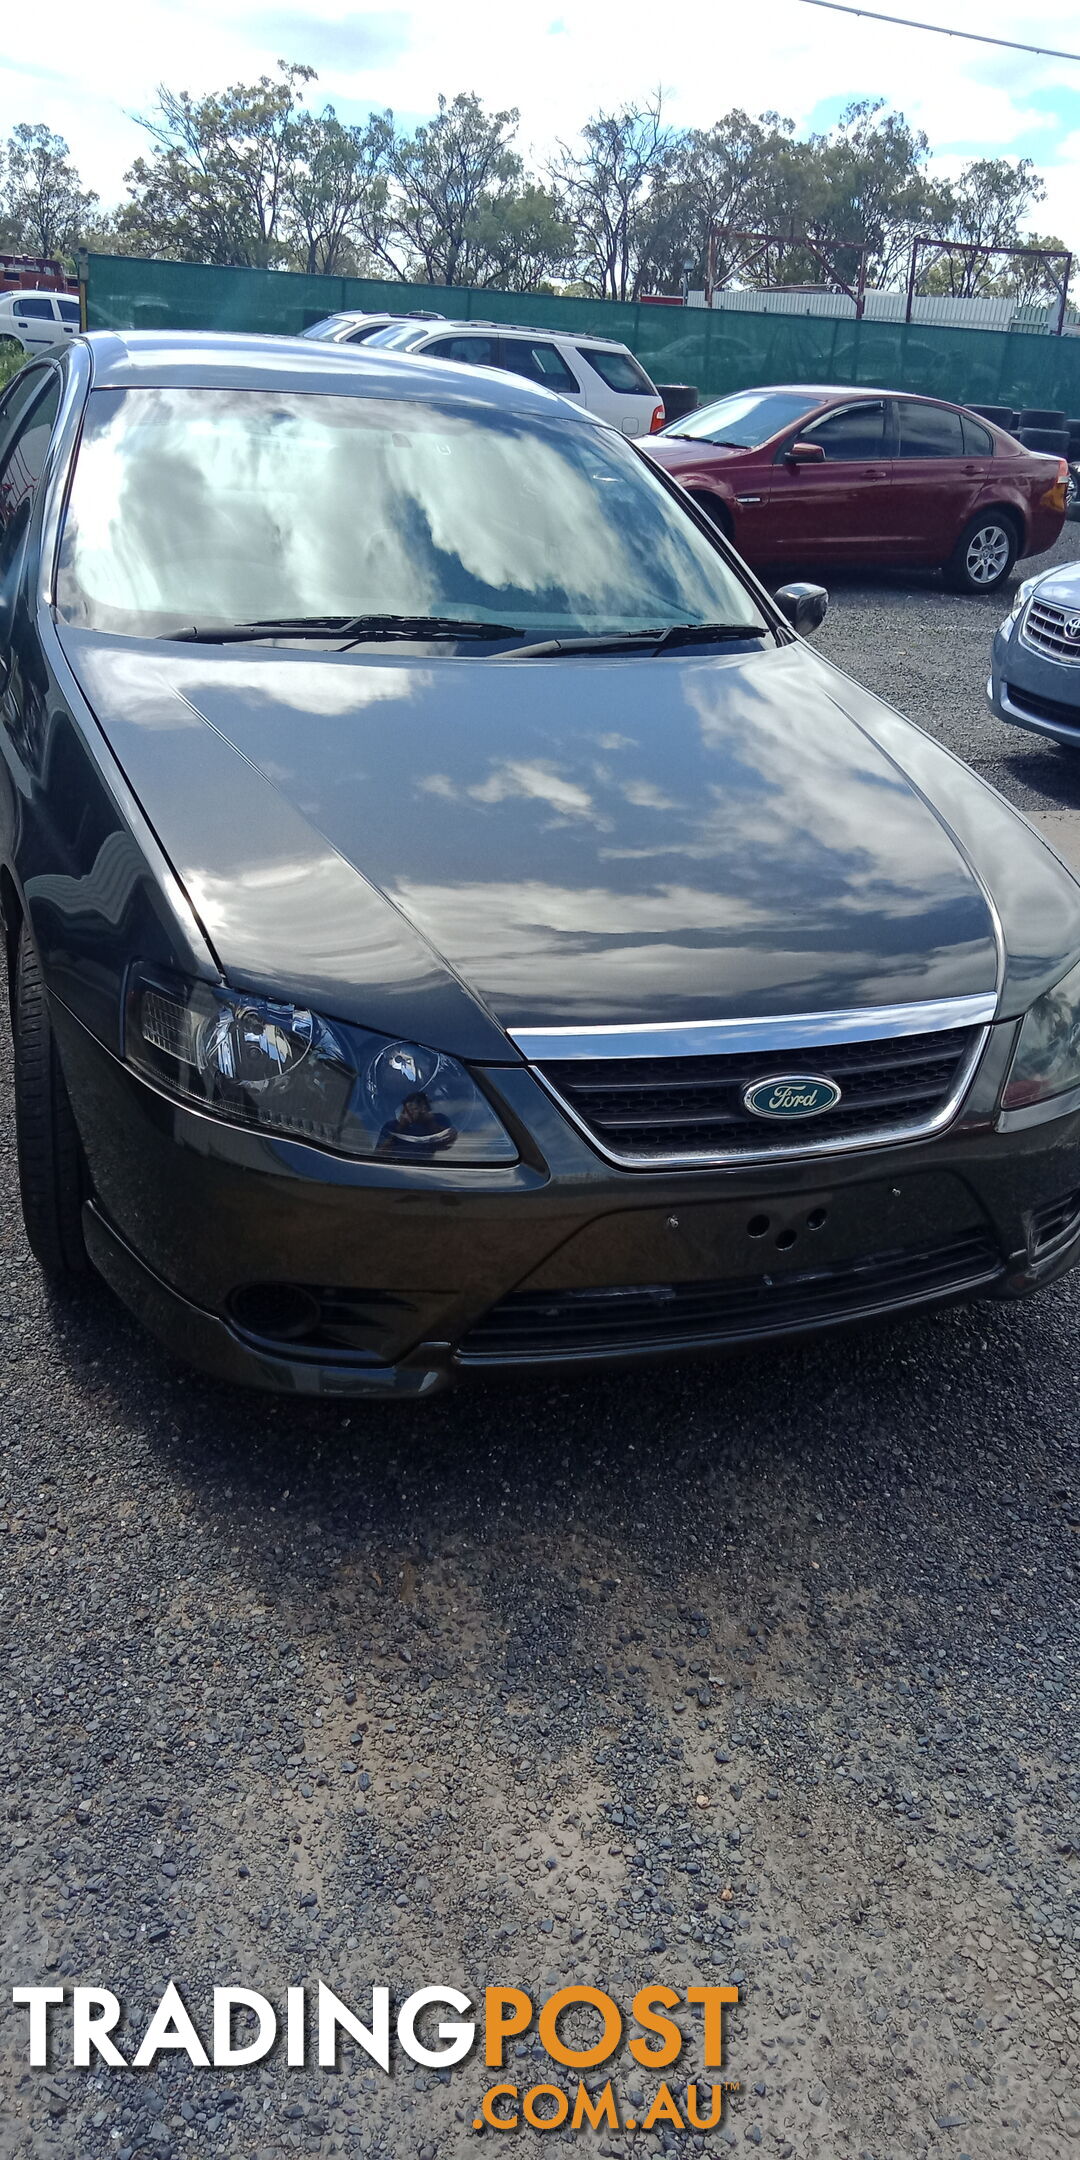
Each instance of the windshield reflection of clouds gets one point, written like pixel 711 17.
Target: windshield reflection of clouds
pixel 208 506
pixel 514 777
pixel 538 951
pixel 314 900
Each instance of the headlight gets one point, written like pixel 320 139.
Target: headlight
pixel 1046 1060
pixel 287 1071
pixel 1020 599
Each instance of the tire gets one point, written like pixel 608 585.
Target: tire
pixel 1040 417
pixel 1050 442
pixel 1001 416
pixel 974 553
pixel 717 513
pixel 52 1176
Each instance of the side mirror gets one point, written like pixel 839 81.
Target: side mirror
pixel 803 606
pixel 805 453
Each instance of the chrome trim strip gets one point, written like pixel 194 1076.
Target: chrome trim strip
pixel 883 1136
pixel 1040 638
pixel 719 1038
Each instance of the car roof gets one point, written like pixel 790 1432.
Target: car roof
pixel 224 360
pixel 34 292
pixel 822 391
pixel 417 315
pixel 516 329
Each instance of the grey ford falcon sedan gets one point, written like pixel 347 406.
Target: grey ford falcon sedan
pixel 455 921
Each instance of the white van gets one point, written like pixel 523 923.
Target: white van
pixel 596 372
pixel 37 320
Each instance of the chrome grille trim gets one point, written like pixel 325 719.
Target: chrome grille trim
pixel 884 1135
pixel 719 1038
pixel 1042 628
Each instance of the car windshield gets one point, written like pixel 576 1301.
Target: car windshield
pixel 746 420
pixel 193 507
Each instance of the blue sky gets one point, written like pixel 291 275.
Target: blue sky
pixel 92 69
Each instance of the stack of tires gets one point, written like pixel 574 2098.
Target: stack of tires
pixel 1002 416
pixel 1038 428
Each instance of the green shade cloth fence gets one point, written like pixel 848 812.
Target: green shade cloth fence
pixel 717 349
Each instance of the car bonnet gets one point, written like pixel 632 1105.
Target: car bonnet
pixel 595 840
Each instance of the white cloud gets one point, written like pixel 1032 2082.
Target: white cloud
pixel 556 64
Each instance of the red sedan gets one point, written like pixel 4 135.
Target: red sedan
pixel 796 473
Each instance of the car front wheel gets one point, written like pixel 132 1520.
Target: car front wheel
pixel 983 555
pixel 52 1177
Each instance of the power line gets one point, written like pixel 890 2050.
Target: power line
pixel 974 37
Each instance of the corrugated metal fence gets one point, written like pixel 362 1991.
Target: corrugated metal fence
pixel 718 349
pixel 949 310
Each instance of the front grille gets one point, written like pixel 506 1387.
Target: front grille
pixel 690 1109
pixel 1045 708
pixel 565 1323
pixel 1054 1225
pixel 1044 630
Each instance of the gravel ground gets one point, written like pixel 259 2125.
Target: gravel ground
pixel 759 1671
pixel 927 651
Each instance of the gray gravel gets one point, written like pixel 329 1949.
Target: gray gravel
pixel 759 1670
pixel 927 651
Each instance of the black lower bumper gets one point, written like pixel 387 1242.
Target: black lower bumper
pixel 577 1330
pixel 272 1264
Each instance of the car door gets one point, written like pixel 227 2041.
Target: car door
pixel 27 413
pixel 27 417
pixel 35 322
pixel 838 510
pixel 539 361
pixel 937 482
pixel 617 388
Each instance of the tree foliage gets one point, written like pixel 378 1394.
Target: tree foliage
pixel 254 175
pixel 215 186
pixel 44 207
pixel 613 184
pixel 446 177
pixel 986 207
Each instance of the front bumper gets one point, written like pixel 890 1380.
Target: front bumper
pixel 1029 691
pixel 557 1263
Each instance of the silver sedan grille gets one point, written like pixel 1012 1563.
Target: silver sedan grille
pixel 1052 631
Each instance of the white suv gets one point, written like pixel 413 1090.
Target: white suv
pixel 595 372
pixel 38 319
pixel 353 327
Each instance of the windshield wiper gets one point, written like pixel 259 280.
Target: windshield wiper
pixel 632 641
pixel 356 628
